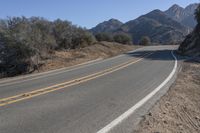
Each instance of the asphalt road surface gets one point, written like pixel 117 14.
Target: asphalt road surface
pixel 85 98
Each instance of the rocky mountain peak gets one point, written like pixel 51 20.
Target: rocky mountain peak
pixel 107 26
pixel 183 15
pixel 191 8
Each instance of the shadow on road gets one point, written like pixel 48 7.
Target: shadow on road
pixel 164 55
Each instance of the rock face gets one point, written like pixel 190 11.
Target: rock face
pixel 176 12
pixel 107 26
pixel 183 15
pixel 191 45
pixel 156 25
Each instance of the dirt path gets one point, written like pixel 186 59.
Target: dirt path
pixel 179 110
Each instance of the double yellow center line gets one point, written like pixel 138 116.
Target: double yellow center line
pixel 31 94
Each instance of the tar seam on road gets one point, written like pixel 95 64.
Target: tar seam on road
pixel 28 95
pixel 125 115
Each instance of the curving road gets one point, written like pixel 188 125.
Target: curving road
pixel 84 99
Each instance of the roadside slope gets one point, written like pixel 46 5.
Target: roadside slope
pixel 72 57
pixel 66 58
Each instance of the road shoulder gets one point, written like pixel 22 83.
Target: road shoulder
pixel 179 109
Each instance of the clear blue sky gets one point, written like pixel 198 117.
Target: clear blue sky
pixel 85 13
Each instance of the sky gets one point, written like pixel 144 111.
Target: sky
pixel 85 13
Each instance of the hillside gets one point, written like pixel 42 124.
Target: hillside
pixel 65 58
pixel 183 15
pixel 107 26
pixel 191 45
pixel 157 25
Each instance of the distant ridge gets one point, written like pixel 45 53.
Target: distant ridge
pixel 183 15
pixel 107 26
pixel 157 25
pixel 167 26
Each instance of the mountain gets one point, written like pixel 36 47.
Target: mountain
pixel 156 25
pixel 107 26
pixel 183 15
pixel 176 12
pixel 161 26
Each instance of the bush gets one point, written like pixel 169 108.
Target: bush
pixel 197 14
pixel 25 41
pixel 145 40
pixel 122 38
pixel 104 37
pixel 82 38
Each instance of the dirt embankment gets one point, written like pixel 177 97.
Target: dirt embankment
pixel 179 110
pixel 103 50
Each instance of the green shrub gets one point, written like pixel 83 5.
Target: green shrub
pixel 122 38
pixel 145 40
pixel 104 37
pixel 23 39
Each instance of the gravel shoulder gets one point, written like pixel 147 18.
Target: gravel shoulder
pixel 178 111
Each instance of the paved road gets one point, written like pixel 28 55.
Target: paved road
pixel 112 87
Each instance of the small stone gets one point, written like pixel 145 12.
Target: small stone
pixel 165 121
pixel 164 113
pixel 196 117
pixel 150 114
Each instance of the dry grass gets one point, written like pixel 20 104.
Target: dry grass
pixel 61 59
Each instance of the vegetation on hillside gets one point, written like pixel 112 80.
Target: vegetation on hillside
pixel 145 40
pixel 109 37
pixel 104 37
pixel 122 38
pixel 25 41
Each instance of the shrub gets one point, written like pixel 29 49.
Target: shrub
pixel 82 38
pixel 23 39
pixel 104 37
pixel 122 38
pixel 145 40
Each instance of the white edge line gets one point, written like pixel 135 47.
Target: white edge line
pixel 125 115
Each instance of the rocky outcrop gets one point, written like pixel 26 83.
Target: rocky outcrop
pixel 191 45
pixel 184 16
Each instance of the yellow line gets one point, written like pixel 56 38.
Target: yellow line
pixel 41 75
pixel 28 95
